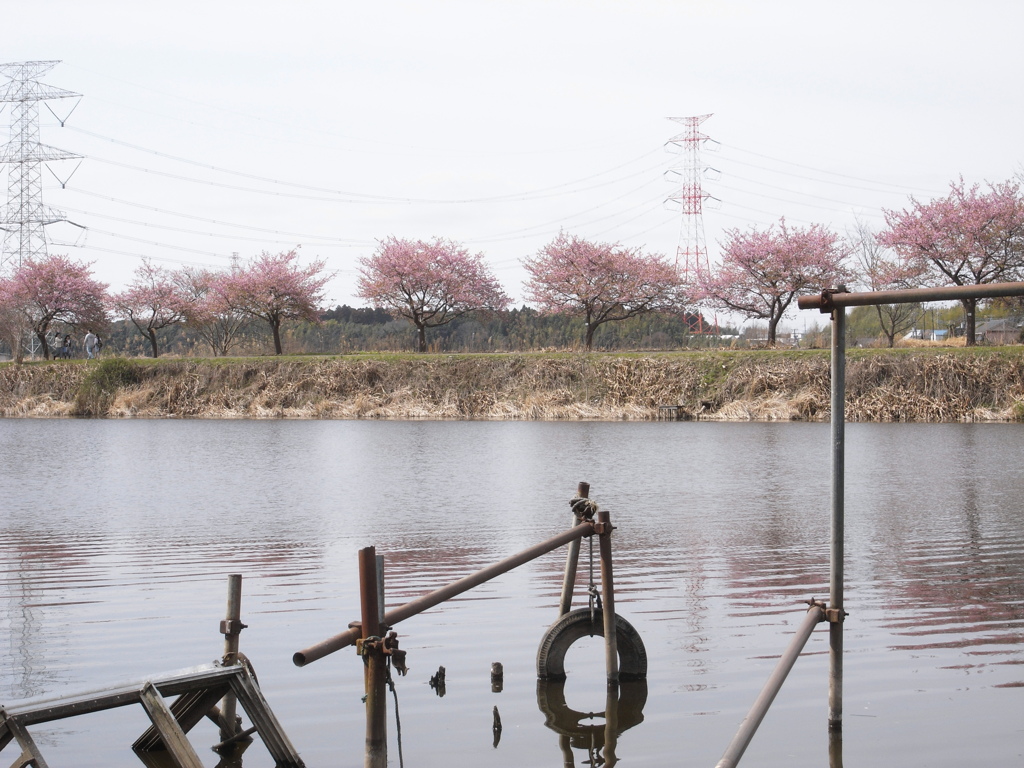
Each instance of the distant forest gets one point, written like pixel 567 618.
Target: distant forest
pixel 346 329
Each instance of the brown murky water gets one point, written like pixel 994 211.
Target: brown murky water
pixel 118 537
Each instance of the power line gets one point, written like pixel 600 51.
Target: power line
pixel 794 202
pixel 820 170
pixel 365 197
pixel 292 127
pixel 336 242
pixel 300 235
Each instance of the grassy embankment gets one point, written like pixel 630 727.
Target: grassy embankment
pixel 882 385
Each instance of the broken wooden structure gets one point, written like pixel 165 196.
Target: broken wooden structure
pixel 198 691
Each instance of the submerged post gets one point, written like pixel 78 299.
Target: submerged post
pixel 373 658
pixel 573 558
pixel 231 627
pixel 611 649
pixel 836 553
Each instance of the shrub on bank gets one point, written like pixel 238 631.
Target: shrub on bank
pixel 101 385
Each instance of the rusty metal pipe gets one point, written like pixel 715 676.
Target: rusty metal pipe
pixel 376 686
pixel 232 627
pixel 611 645
pixel 837 545
pixel 826 301
pixel 429 600
pixel 748 727
pixel 572 559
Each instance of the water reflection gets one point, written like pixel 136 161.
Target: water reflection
pixel 583 731
pixel 722 533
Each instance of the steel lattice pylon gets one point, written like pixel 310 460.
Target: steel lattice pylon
pixel 692 252
pixel 23 217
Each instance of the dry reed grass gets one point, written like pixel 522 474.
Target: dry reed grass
pixel 883 386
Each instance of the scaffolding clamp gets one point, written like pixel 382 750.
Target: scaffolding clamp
pixel 390 646
pixel 231 627
pixel 365 646
pixel 835 615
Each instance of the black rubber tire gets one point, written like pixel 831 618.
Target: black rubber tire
pixel 576 624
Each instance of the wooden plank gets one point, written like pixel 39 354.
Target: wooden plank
pixel 29 751
pixel 198 689
pixel 267 725
pixel 188 709
pixel 170 684
pixel 5 732
pixel 174 739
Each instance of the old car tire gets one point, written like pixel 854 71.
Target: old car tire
pixel 576 624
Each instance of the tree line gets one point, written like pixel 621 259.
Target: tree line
pixel 971 236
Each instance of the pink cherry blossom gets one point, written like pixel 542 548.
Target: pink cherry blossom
pixel 207 310
pixel 969 237
pixel 274 288
pixel 55 289
pixel 152 301
pixel 602 282
pixel 429 283
pixel 762 271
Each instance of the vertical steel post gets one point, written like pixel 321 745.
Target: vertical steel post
pixel 572 559
pixel 611 647
pixel 611 725
pixel 380 589
pixel 835 634
pixel 376 685
pixel 231 628
pixel 835 749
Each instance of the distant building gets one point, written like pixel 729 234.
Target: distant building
pixel 1005 331
pixel 928 334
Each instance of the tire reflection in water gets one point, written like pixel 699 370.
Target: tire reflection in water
pixel 624 708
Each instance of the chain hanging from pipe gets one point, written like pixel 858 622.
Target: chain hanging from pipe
pixel 592 590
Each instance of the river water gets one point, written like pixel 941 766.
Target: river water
pixel 118 537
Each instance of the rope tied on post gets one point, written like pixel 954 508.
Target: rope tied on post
pixel 398 720
pixel 583 508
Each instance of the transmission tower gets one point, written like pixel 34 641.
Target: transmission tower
pixel 24 216
pixel 692 252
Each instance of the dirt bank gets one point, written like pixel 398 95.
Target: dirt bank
pixel 901 385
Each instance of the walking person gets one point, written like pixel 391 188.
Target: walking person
pixel 66 349
pixel 58 347
pixel 90 345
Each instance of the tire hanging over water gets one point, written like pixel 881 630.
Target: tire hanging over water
pixel 576 624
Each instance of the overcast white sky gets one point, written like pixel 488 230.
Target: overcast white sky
pixel 217 127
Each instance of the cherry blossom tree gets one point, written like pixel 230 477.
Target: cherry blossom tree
pixel 969 237
pixel 207 309
pixel 55 289
pixel 602 282
pixel 883 270
pixel 275 288
pixel 429 283
pixel 152 301
pixel 762 271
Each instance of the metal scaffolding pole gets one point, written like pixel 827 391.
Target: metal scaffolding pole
pixel 836 532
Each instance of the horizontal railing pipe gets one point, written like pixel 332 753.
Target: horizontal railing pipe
pixel 829 300
pixel 429 600
pixel 748 727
